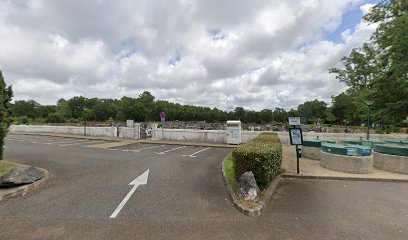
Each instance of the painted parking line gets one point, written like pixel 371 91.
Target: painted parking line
pixel 141 149
pixel 133 150
pixel 194 154
pixel 170 150
pixel 77 143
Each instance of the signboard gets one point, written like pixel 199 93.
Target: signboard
pixel 296 136
pixel 294 120
pixel 163 117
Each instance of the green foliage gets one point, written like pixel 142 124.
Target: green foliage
pixel 378 71
pixel 6 167
pixel 55 118
pixel 312 111
pixel 6 94
pixel 262 156
pixel 23 120
pixel 230 172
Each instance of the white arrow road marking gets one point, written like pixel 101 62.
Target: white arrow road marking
pixel 170 150
pixel 141 180
pixel 193 155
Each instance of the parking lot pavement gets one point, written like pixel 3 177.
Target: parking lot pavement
pixel 184 197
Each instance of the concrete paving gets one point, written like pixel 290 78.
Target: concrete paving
pixel 185 198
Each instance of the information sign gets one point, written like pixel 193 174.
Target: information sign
pixel 294 121
pixel 296 137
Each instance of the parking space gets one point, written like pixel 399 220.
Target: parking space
pixel 50 140
pixel 159 149
pixel 154 191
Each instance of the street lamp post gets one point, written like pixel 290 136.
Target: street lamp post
pixel 368 103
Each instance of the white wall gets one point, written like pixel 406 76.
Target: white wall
pixel 90 131
pixel 216 136
pixel 132 133
pixel 220 136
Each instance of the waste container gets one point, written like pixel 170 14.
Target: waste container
pixel 233 132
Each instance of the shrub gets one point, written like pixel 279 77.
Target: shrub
pixel 6 94
pixel 55 118
pixel 23 120
pixel 262 156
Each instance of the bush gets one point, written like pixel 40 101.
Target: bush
pixel 55 118
pixel 23 120
pixel 262 156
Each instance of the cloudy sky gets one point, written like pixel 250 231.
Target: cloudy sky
pixel 255 54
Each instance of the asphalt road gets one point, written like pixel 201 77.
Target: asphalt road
pixel 184 198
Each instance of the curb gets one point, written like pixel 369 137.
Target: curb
pixel 252 212
pixel 22 190
pixel 285 176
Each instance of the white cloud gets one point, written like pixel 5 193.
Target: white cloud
pixel 256 54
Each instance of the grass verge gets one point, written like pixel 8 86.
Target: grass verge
pixel 6 167
pixel 230 172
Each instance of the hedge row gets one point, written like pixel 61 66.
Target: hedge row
pixel 262 156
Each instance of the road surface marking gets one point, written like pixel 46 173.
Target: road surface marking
pixel 170 150
pixel 193 155
pixel 141 180
pixel 149 148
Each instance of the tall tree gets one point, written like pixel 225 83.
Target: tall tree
pixel 312 111
pixel 6 94
pixel 378 71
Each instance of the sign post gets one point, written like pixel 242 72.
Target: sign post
pixel 163 120
pixel 296 138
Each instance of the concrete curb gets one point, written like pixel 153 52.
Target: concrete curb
pixel 261 204
pixel 344 178
pixel 7 193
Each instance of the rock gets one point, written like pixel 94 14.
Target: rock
pixel 248 189
pixel 20 176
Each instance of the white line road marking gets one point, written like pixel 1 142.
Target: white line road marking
pixel 170 150
pixel 141 180
pixel 141 149
pixel 193 155
pixel 77 143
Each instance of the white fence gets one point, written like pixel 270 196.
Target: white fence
pixel 133 133
pixel 215 136
pixel 220 136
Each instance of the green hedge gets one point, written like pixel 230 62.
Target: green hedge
pixel 262 156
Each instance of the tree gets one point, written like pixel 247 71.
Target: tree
pixel 239 113
pixel 6 94
pixel 378 71
pixel 55 117
pixel 280 115
pixel 25 108
pixel 266 115
pixel 312 111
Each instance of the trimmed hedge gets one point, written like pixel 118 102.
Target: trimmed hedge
pixel 262 156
